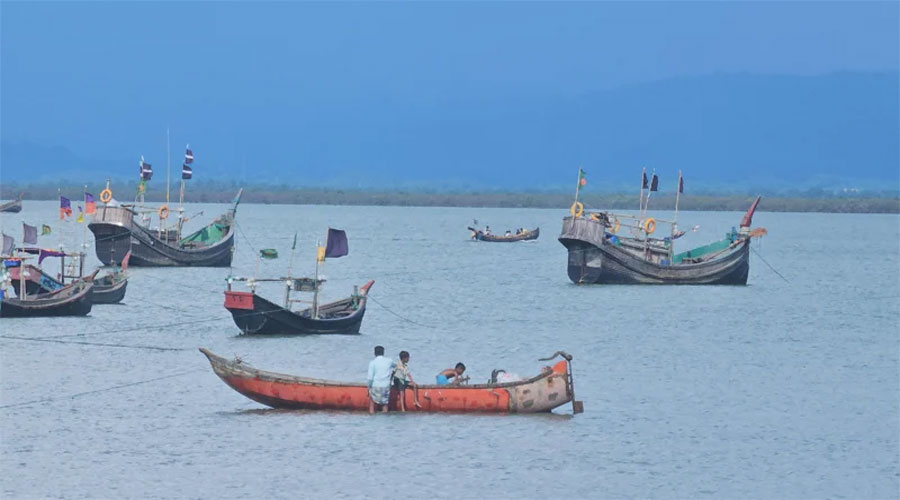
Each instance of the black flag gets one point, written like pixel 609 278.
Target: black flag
pixel 644 182
pixel 186 171
pixel 681 184
pixel 654 184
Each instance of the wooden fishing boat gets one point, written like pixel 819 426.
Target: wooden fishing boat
pixel 74 299
pixel 12 206
pixel 256 315
pixel 552 388
pixel 525 235
pixel 108 289
pixel 116 232
pixel 597 254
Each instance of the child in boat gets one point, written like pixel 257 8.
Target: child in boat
pixel 403 379
pixel 444 377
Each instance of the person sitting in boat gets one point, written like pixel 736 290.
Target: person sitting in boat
pixel 487 229
pixel 403 379
pixel 508 233
pixel 455 373
pixel 379 380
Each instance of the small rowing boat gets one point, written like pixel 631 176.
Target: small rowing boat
pixel 551 388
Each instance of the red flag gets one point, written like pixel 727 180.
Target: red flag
pixel 90 206
pixel 65 207
pixel 125 261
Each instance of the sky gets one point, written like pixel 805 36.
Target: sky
pixel 332 90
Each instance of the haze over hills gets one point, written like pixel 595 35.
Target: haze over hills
pixel 732 132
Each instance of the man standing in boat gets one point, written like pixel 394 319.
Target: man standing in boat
pixel 379 380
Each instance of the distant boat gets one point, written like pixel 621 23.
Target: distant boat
pixel 13 206
pixel 599 255
pixel 524 235
pixel 116 232
pixel 256 315
pixel 550 389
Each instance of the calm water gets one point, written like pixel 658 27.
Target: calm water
pixel 773 390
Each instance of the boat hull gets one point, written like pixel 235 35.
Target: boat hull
pixel 110 294
pixel 12 207
pixel 594 259
pixel 255 315
pixel 72 300
pixel 539 394
pixel 116 233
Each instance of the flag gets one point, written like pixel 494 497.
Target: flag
pixel 654 183
pixel 186 171
pixel 268 253
pixel 146 170
pixel 80 217
pixel 680 184
pixel 45 230
pixel 336 244
pixel 125 261
pixel 582 181
pixel 44 253
pixel 188 155
pixel 142 186
pixel 9 244
pixel 29 234
pixel 644 184
pixel 65 207
pixel 294 246
pixel 320 253
pixel 90 206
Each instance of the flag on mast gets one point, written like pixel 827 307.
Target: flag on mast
pixel 644 184
pixel 654 183
pixel 582 180
pixel 45 230
pixel 188 155
pixel 90 205
pixel 146 170
pixel 186 172
pixel 65 207
pixel 29 234
pixel 680 184
pixel 80 217
pixel 336 244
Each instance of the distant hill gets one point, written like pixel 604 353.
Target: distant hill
pixel 735 132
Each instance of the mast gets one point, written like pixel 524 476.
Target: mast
pixel 677 196
pixel 641 199
pixel 168 176
pixel 578 184
pixel 287 285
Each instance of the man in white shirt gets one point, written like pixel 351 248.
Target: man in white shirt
pixel 379 380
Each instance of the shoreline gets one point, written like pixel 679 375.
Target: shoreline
pixel 405 198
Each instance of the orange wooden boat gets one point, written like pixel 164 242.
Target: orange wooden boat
pixel 550 389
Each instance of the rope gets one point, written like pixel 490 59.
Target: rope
pixel 249 244
pixel 386 308
pixel 147 347
pixel 95 391
pixel 770 266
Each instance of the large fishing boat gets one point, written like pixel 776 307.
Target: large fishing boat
pixel 254 314
pixel 120 228
pixel 599 252
pixel 551 388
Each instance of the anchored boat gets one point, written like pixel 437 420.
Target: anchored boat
pixel 523 235
pixel 255 315
pixel 12 206
pixel 108 289
pixel 74 299
pixel 551 388
pixel 599 252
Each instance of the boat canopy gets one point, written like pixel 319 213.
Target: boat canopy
pixel 714 247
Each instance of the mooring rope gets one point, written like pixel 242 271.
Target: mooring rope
pixel 105 389
pixel 386 308
pixel 770 265
pixel 101 344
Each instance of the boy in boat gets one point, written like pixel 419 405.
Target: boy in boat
pixel 379 380
pixel 444 377
pixel 403 379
